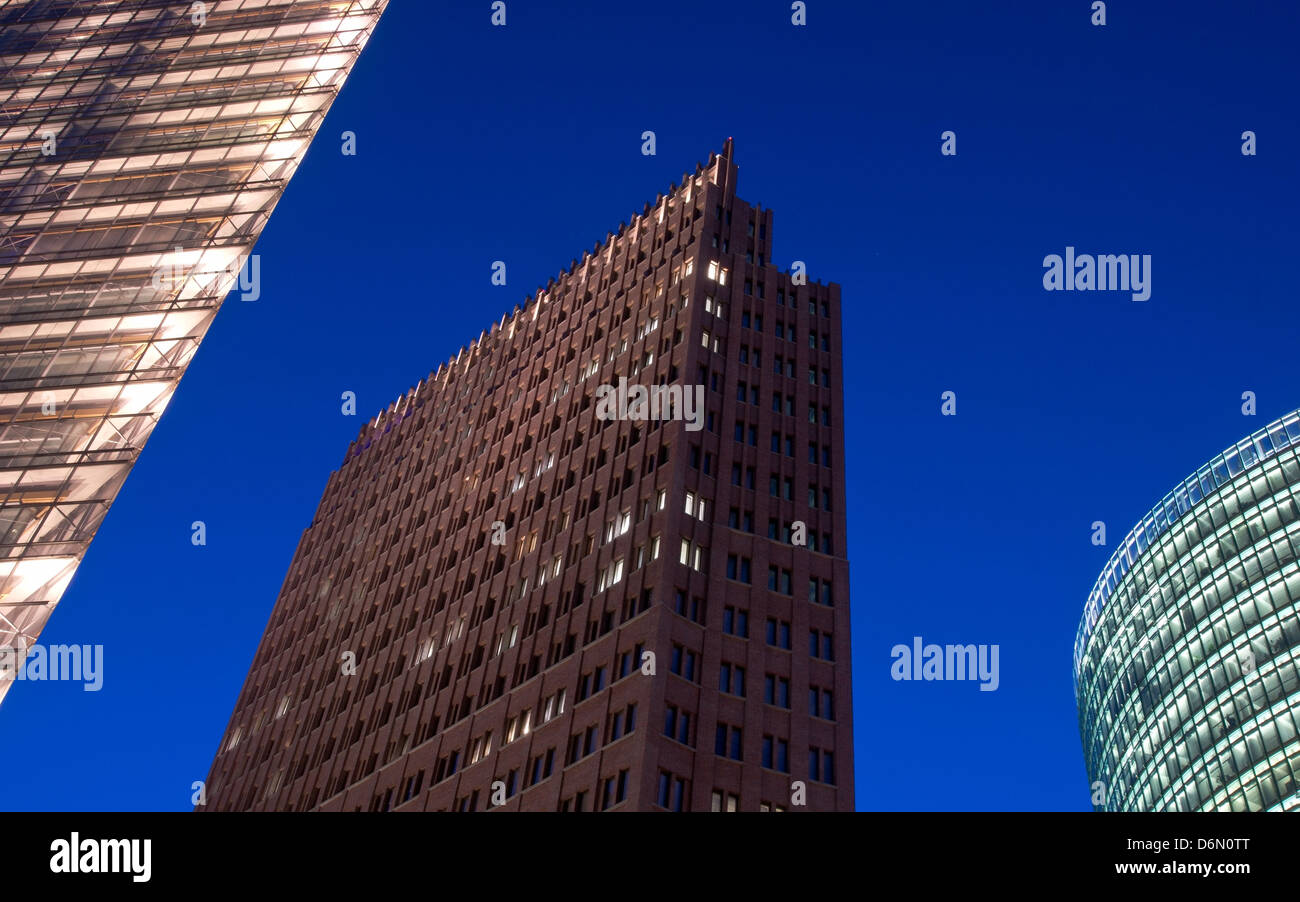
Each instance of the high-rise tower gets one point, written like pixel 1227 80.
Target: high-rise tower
pixel 144 145
pixel 1187 661
pixel 595 561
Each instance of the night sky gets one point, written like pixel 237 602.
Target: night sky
pixel 523 144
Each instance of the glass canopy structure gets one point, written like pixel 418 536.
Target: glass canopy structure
pixel 1187 659
pixel 143 145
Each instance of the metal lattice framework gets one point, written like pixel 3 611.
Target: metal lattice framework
pixel 143 145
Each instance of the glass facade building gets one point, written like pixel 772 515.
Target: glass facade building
pixel 1187 659
pixel 143 145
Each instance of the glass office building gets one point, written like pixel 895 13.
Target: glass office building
pixel 1186 658
pixel 143 145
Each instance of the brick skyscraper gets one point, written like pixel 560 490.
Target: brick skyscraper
pixel 504 584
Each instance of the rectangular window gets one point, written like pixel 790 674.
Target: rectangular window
pixel 779 633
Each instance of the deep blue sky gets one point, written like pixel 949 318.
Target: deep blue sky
pixel 523 144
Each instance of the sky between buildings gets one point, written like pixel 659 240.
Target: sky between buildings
pixel 523 144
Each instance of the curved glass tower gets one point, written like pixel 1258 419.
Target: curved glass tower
pixel 1186 660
